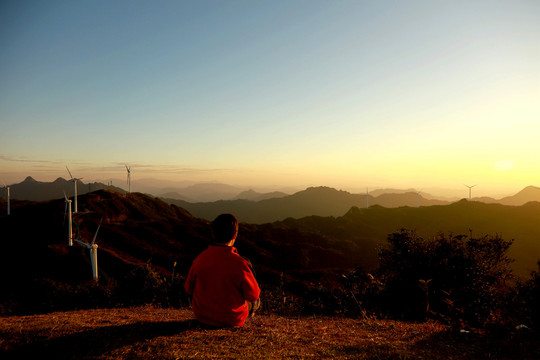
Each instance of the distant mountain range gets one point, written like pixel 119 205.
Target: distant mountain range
pixel 33 190
pixel 255 207
pixel 324 201
pixel 319 201
pixel 210 191
pixel 530 193
pixel 202 192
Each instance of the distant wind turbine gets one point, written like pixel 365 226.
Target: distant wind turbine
pixel 367 198
pixel 74 186
pixel 93 252
pixel 128 178
pixel 418 198
pixel 8 199
pixel 67 210
pixel 470 187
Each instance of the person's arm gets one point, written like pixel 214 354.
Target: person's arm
pixel 250 288
pixel 189 285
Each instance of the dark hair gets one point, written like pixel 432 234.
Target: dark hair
pixel 224 228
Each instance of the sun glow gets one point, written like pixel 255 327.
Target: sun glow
pixel 503 165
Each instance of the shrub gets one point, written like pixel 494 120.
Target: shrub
pixel 457 278
pixel 142 285
pixel 526 303
pixel 145 285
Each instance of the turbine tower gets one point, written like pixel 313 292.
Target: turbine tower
pixel 74 186
pixel 8 200
pixel 67 210
pixel 128 178
pixel 470 187
pixel 418 198
pixel 92 247
pixel 367 198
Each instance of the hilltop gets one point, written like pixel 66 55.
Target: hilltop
pixel 156 333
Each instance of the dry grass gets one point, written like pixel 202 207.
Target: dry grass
pixel 156 333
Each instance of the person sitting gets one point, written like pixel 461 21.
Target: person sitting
pixel 222 284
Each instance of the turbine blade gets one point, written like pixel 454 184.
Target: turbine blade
pixel 95 235
pixel 82 243
pixel 69 172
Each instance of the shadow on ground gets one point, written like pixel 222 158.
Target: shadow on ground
pixel 98 341
pixel 518 346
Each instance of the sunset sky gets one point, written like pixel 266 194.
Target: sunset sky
pixel 348 94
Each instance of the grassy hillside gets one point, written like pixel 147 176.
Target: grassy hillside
pixel 157 333
pixel 370 227
pixel 307 260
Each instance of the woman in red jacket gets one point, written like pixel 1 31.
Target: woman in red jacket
pixel 223 288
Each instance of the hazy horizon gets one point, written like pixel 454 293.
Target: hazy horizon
pixel 268 95
pixel 158 186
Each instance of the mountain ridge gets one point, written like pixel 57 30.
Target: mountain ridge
pixel 213 192
pixel 31 189
pixel 318 201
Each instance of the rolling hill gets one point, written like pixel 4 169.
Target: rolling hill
pixel 202 192
pixel 33 190
pixel 371 226
pixel 319 201
pixel 257 196
pixel 138 228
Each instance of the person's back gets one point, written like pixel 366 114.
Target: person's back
pixel 220 280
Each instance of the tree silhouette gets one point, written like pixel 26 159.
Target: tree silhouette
pixel 454 277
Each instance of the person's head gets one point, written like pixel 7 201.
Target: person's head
pixel 224 228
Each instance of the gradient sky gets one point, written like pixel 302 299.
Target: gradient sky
pixel 349 94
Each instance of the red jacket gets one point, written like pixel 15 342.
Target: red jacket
pixel 221 282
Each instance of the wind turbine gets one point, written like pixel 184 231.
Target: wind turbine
pixel 74 186
pixel 93 252
pixel 470 187
pixel 128 178
pixel 8 200
pixel 418 198
pixel 367 198
pixel 67 210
